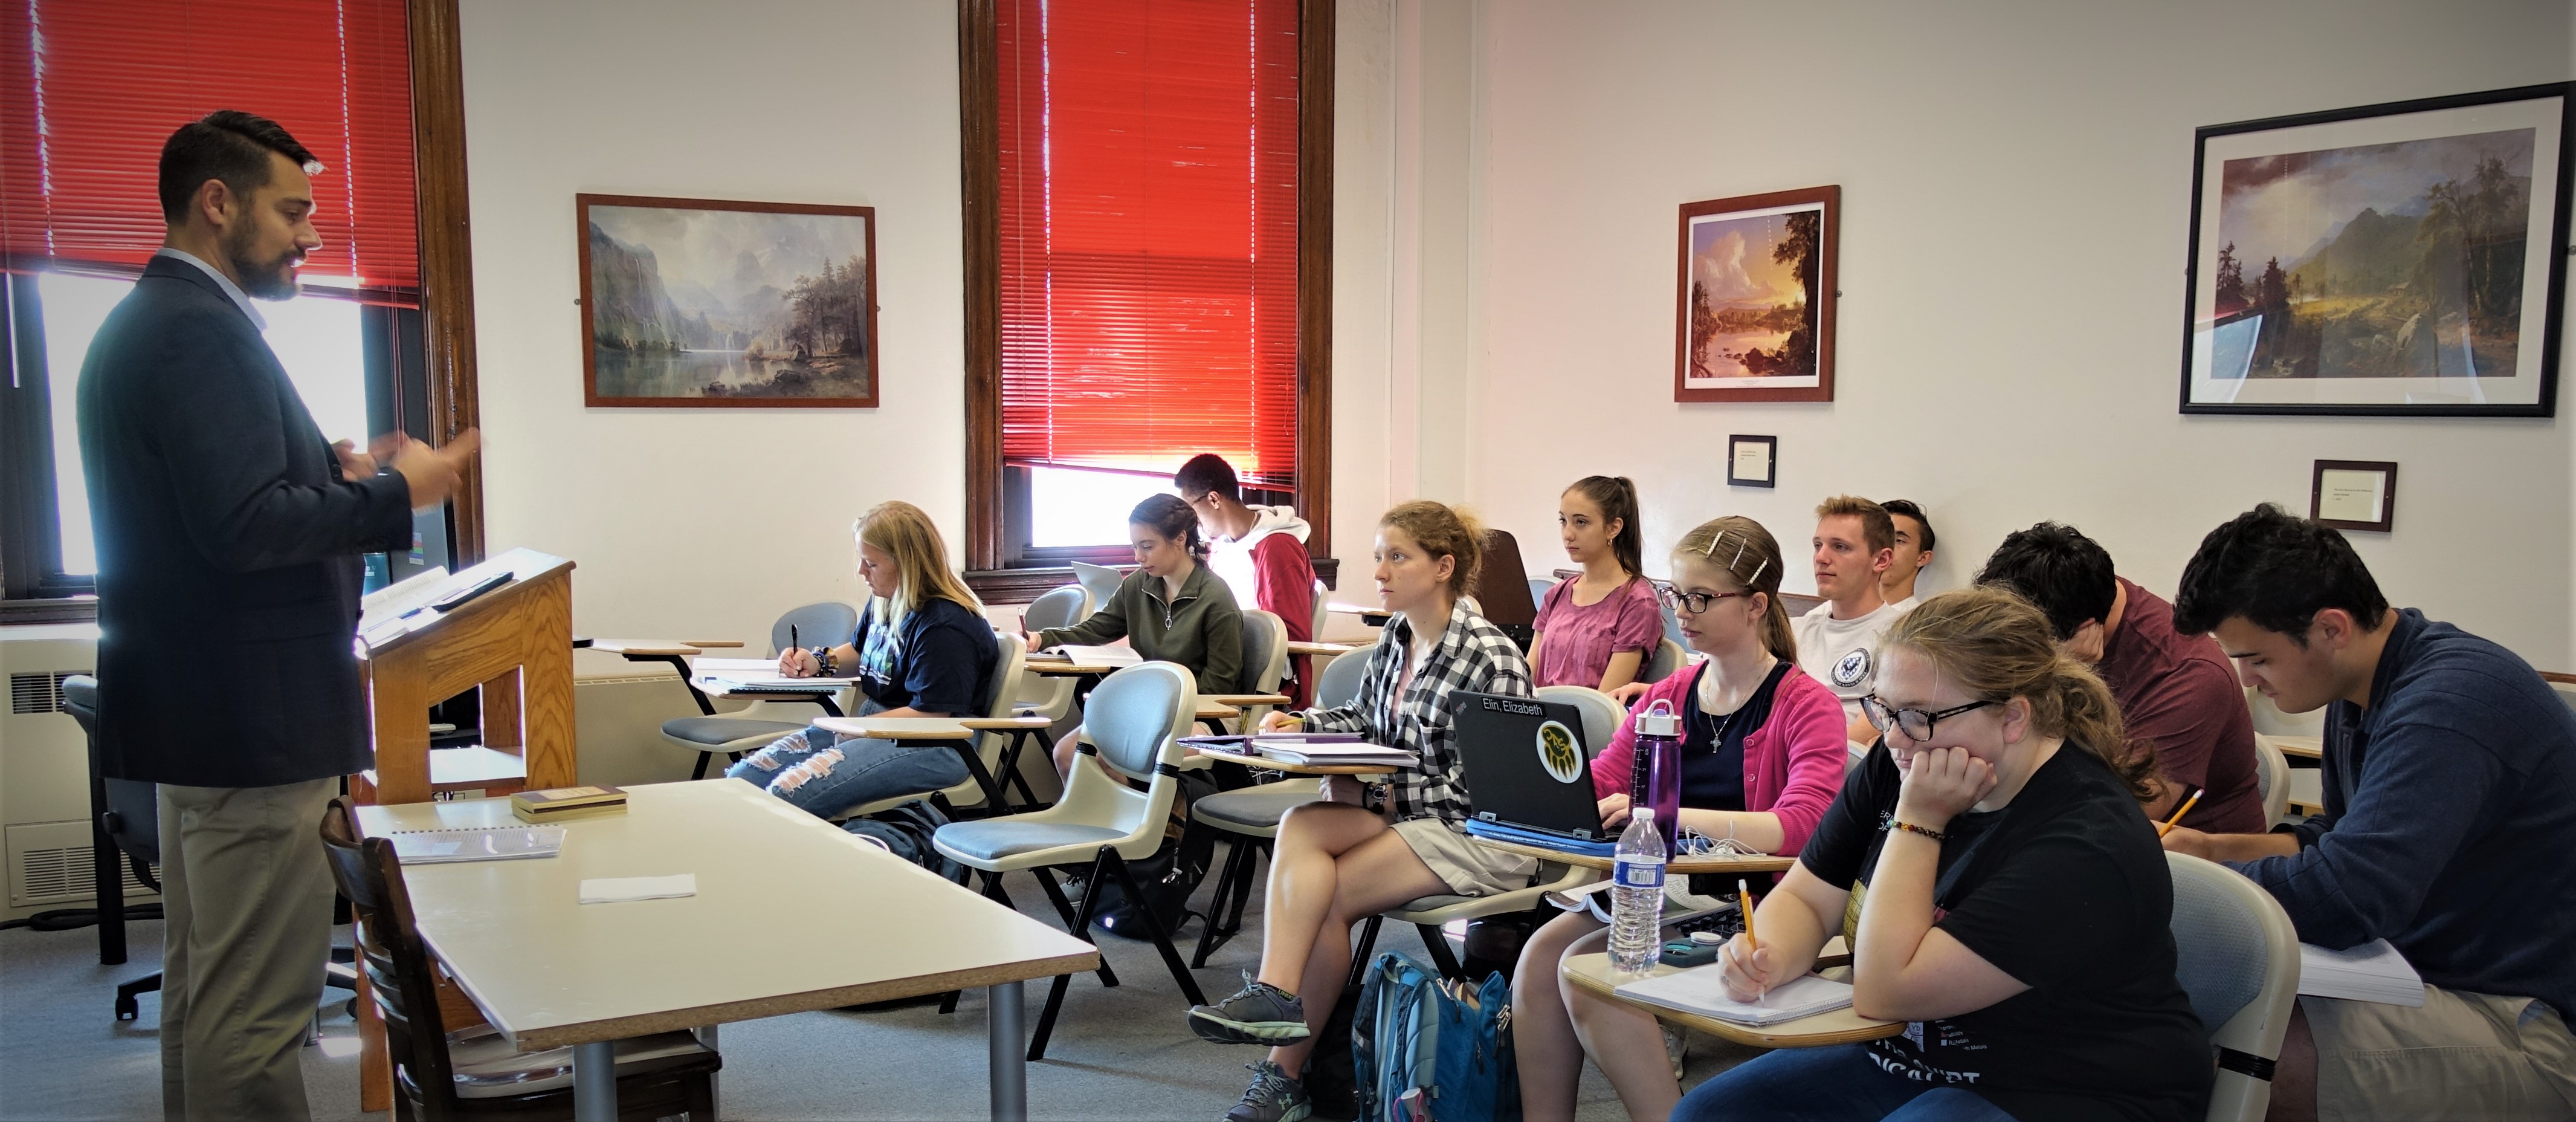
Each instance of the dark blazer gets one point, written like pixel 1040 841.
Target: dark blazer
pixel 228 549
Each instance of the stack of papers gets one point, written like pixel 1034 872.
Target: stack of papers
pixel 1100 656
pixel 2373 971
pixel 1329 749
pixel 1698 990
pixel 757 674
pixel 491 843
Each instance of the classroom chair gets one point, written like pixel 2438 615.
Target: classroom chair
pixel 2269 720
pixel 1668 657
pixel 1500 591
pixel 1100 582
pixel 1265 666
pixel 2238 959
pixel 443 1074
pixel 827 624
pixel 1134 719
pixel 1047 695
pixel 2272 780
pixel 1602 716
pixel 1539 588
pixel 124 818
pixel 999 752
pixel 1672 625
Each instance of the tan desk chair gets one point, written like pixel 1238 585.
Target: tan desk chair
pixel 1602 716
pixel 2238 959
pixel 1046 695
pixel 1668 657
pixel 828 623
pixel 1134 718
pixel 2272 780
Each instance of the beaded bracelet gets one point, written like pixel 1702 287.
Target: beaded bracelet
pixel 823 658
pixel 1935 835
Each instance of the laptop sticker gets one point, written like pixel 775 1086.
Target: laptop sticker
pixel 1556 752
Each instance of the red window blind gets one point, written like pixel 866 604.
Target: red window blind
pixel 90 90
pixel 1148 232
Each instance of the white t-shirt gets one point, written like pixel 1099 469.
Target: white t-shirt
pixel 1843 653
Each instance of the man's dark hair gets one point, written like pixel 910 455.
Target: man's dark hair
pixel 226 144
pixel 1908 508
pixel 2277 570
pixel 2066 575
pixel 1207 472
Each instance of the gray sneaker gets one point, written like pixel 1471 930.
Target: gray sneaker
pixel 1273 1098
pixel 1259 1013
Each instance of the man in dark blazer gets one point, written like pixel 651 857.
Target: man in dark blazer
pixel 230 533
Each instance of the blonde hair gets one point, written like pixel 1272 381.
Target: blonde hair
pixel 1739 549
pixel 1876 527
pixel 903 532
pixel 1443 531
pixel 1996 647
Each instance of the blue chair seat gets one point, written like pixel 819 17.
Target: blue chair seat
pixel 715 732
pixel 1253 807
pixel 996 839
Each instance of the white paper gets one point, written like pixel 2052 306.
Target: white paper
pixel 493 843
pixel 1101 656
pixel 1753 460
pixel 618 890
pixel 1699 990
pixel 2350 496
pixel 2373 971
pixel 735 667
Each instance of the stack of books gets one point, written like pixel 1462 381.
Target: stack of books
pixel 2373 971
pixel 563 804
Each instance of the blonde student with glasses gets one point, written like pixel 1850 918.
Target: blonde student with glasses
pixel 1762 755
pixel 2015 906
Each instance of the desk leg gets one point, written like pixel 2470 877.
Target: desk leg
pixel 715 1083
pixel 1007 1051
pixel 594 1082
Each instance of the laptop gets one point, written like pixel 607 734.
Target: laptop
pixel 1529 777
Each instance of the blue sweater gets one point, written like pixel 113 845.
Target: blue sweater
pixel 2450 817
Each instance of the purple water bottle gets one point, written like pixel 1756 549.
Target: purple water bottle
pixel 1655 773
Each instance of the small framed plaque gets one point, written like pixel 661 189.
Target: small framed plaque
pixel 2354 494
pixel 1752 461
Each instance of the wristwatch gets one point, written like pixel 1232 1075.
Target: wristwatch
pixel 823 658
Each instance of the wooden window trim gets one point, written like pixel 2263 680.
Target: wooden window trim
pixel 980 140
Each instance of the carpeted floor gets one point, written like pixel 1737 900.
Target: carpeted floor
pixel 1117 1053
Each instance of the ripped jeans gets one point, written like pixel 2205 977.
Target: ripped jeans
pixel 814 773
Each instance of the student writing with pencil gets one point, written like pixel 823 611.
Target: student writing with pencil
pixel 2014 902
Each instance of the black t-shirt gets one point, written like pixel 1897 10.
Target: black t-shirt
pixel 2065 889
pixel 1713 746
pixel 939 660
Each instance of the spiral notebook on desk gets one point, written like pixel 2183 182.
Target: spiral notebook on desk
pixel 476 843
pixel 1699 990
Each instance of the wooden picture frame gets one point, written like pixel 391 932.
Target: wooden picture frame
pixel 2395 260
pixel 1756 297
pixel 2340 496
pixel 776 303
pixel 1746 454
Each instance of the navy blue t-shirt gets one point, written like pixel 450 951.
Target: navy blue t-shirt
pixel 938 660
pixel 1713 746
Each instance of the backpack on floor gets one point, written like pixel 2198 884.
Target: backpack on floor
pixel 1426 1049
pixel 906 831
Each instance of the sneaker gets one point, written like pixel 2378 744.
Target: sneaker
pixel 1259 1013
pixel 1273 1097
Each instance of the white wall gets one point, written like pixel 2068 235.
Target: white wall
pixel 2016 182
pixel 704 523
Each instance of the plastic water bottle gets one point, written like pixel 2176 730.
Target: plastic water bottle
pixel 1637 896
pixel 1655 773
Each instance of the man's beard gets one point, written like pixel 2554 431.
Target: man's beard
pixel 273 279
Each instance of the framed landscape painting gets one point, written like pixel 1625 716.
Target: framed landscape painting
pixel 1757 297
pixel 2391 260
pixel 705 302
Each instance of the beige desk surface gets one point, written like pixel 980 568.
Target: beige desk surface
pixel 661 646
pixel 2307 790
pixel 1842 1026
pixel 791 915
pixel 1267 764
pixel 1245 699
pixel 1298 647
pixel 1744 866
pixel 2311 747
pixel 1362 612
pixel 1052 669
pixel 926 728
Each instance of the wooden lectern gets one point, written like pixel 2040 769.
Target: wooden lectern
pixel 515 642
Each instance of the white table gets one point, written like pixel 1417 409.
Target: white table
pixel 549 971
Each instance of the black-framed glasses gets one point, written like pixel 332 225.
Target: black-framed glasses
pixel 1693 602
pixel 1917 724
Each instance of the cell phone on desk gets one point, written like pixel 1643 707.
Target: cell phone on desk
pixel 467 595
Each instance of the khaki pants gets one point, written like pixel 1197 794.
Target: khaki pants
pixel 2462 1057
pixel 247 895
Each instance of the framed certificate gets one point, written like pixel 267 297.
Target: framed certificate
pixel 2354 494
pixel 1752 461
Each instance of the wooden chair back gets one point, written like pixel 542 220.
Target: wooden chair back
pixel 393 959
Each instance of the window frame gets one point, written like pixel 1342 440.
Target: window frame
pixel 996 567
pixel 28 533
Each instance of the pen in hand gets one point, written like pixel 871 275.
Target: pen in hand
pixel 2167 825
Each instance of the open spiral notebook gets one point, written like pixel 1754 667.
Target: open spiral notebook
pixel 476 843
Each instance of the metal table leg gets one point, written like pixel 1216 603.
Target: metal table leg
pixel 594 1082
pixel 1005 1047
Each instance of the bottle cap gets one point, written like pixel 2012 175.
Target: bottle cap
pixel 1643 814
pixel 1659 720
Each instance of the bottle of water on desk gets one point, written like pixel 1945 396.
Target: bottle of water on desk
pixel 1637 896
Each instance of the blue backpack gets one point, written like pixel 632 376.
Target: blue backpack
pixel 1426 1049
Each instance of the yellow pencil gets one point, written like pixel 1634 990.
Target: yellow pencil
pixel 1744 901
pixel 2179 811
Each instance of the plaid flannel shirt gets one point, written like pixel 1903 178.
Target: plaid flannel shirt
pixel 1473 655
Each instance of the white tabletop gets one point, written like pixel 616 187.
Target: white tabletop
pixel 791 914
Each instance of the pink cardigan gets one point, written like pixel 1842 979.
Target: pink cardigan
pixel 1793 764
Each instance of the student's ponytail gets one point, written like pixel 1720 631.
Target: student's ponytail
pixel 1995 647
